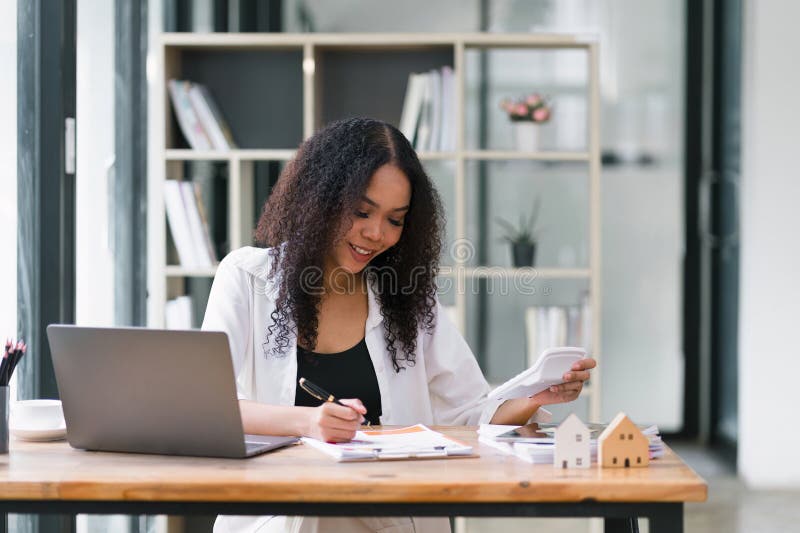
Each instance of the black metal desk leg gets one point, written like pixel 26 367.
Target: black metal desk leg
pixel 621 525
pixel 668 518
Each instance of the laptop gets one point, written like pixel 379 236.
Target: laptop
pixel 151 391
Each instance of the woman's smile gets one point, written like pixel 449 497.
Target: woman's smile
pixel 361 254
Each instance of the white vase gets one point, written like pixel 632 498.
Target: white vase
pixel 526 136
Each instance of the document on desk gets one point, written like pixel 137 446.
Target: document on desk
pixel 412 442
pixel 540 447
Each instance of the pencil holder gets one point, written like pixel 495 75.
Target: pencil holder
pixel 3 419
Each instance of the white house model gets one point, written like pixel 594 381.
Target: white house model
pixel 573 448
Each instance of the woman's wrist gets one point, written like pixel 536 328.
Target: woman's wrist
pixel 515 412
pixel 305 420
pixel 264 419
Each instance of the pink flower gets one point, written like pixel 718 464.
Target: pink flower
pixel 541 114
pixel 505 105
pixel 533 99
pixel 533 107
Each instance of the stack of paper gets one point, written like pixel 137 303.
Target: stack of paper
pixel 540 449
pixel 413 442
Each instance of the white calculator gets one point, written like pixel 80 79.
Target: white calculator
pixel 548 370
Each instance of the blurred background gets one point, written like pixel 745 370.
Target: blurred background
pixel 672 267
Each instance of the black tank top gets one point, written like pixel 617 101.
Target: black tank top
pixel 347 374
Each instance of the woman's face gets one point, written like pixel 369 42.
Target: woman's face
pixel 377 222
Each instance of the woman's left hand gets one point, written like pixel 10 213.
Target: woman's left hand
pixel 572 386
pixel 519 410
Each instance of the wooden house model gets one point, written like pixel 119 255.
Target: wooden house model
pixel 622 445
pixel 573 447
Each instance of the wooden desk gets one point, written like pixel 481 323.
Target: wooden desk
pixel 54 478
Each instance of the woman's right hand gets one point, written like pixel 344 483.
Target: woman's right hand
pixel 331 422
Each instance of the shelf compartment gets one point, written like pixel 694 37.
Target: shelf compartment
pixel 509 190
pixel 493 74
pixel 212 182
pixel 259 92
pixel 442 173
pixel 370 82
pixel 508 326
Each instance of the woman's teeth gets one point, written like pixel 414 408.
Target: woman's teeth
pixel 361 251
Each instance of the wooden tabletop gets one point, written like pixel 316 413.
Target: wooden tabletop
pixel 54 471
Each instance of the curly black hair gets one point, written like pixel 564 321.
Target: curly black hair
pixel 311 207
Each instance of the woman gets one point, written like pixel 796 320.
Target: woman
pixel 343 293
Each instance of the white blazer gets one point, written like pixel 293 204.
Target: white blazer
pixel 445 386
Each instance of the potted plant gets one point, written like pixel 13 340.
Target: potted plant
pixel 522 237
pixel 526 114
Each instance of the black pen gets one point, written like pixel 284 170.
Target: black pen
pixel 321 394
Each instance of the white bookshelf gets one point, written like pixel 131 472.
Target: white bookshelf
pixel 310 59
pixel 177 154
pixel 496 155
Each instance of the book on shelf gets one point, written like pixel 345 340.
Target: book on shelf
pixel 199 118
pixel 206 233
pixel 178 313
pixel 211 117
pixel 201 241
pixel 448 130
pixel 435 111
pixel 188 120
pixel 585 324
pixel 548 326
pixel 412 106
pixel 178 222
pixel 189 232
pixel 428 115
pixel 422 138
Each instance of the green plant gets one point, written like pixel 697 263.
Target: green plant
pixel 526 231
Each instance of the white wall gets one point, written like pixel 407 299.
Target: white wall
pixel 769 357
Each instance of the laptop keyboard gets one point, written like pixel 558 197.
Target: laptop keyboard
pixel 256 443
pixel 251 446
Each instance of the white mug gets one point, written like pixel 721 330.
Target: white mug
pixel 37 414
